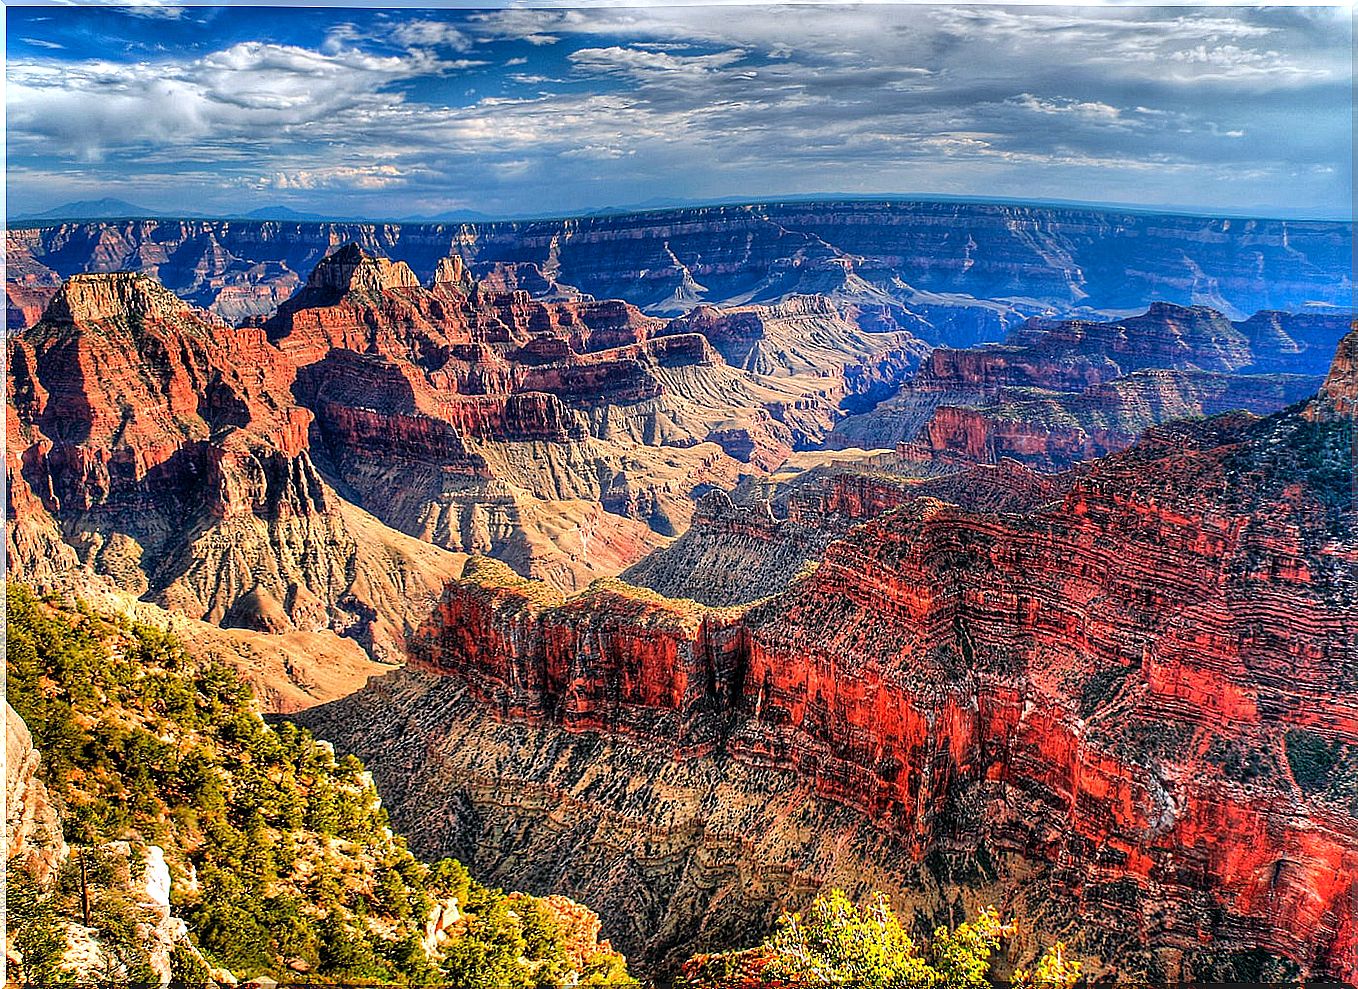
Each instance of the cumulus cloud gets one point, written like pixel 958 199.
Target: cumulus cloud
pixel 426 32
pixel 249 90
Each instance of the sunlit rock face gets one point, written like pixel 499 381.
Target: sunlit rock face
pixel 33 838
pixel 155 446
pixel 1339 395
pixel 1114 696
pixel 566 436
pixel 327 467
pixel 744 548
pixel 1128 714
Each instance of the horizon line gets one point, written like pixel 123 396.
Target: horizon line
pixel 51 216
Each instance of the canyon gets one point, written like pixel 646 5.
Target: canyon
pixel 688 562
pixel 1059 392
pixel 997 426
pixel 337 460
pixel 326 469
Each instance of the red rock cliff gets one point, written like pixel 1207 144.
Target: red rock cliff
pixel 1147 691
pixel 154 445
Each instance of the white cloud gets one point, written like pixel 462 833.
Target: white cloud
pixel 154 8
pixel 164 9
pixel 426 33
pixel 651 65
pixel 367 178
pixel 252 90
pixel 1232 62
pixel 598 152
pixel 1091 110
pixel 719 101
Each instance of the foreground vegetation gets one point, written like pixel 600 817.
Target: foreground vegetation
pixel 281 856
pixel 835 943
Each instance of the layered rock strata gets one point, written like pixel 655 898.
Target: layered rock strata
pixel 1129 717
pixel 566 437
pixel 1058 392
pixel 970 270
pixel 772 530
pixel 161 449
pixel 290 475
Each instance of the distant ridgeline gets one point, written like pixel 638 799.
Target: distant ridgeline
pixel 936 259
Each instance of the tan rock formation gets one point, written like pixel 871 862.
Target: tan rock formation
pixel 33 837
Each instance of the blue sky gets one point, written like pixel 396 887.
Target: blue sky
pixel 401 112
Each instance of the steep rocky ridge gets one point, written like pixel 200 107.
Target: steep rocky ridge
pixel 1339 395
pixel 771 530
pixel 33 838
pixel 566 436
pixel 24 304
pixel 803 334
pixel 165 449
pixel 1129 716
pixel 967 269
pixel 733 553
pixel 35 846
pixel 1053 431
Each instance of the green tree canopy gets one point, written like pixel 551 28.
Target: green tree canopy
pixel 837 943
